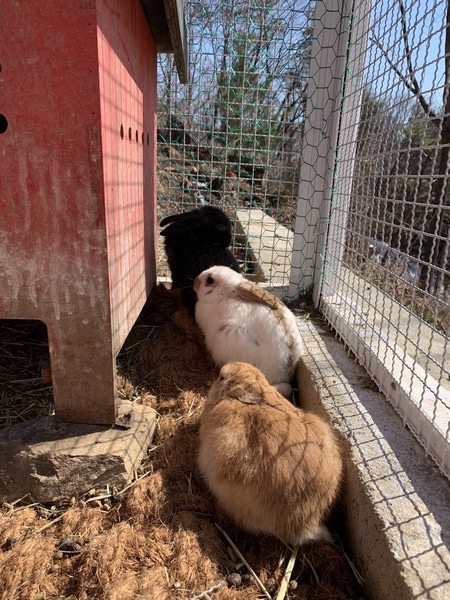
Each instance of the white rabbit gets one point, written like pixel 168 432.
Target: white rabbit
pixel 243 322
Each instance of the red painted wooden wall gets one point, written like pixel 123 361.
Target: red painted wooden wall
pixel 78 185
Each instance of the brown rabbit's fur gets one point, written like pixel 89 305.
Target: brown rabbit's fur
pixel 274 469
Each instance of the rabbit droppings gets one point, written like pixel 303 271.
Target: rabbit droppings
pixel 243 322
pixel 194 241
pixel 274 469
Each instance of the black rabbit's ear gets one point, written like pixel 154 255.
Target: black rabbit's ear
pixel 167 220
pixel 170 219
pixel 178 228
pixel 180 217
pixel 181 223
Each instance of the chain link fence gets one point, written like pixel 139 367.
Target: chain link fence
pixel 323 130
pixel 383 268
pixel 232 136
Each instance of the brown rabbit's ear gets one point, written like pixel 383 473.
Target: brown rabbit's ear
pixel 252 293
pixel 244 393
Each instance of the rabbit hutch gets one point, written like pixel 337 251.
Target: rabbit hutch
pixel 78 146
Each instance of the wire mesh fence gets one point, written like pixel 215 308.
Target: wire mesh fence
pixel 323 129
pixel 232 136
pixel 384 282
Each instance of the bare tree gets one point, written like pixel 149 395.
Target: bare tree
pixel 434 250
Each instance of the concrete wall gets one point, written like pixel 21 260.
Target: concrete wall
pixel 395 502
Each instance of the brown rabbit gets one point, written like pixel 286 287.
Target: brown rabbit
pixel 274 468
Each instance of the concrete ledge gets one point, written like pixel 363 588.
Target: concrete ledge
pixel 396 503
pixel 270 242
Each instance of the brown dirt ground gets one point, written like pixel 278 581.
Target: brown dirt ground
pixel 157 540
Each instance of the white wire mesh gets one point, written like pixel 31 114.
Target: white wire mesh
pixel 232 136
pixel 385 274
pixel 333 168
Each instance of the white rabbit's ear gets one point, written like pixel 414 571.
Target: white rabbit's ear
pixel 248 291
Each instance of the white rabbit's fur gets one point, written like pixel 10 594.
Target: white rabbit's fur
pixel 243 322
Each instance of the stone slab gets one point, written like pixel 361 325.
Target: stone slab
pixel 52 460
pixel 271 244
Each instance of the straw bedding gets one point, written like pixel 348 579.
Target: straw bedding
pixel 159 538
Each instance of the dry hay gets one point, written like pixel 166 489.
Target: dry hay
pixel 25 391
pixel 157 540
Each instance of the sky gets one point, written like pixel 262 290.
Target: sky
pixel 426 37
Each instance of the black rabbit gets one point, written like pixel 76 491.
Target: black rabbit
pixel 195 241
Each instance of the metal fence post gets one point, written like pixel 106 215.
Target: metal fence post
pixel 345 153
pixel 324 97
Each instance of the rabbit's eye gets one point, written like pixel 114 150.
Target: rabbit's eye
pixel 209 280
pixel 221 227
